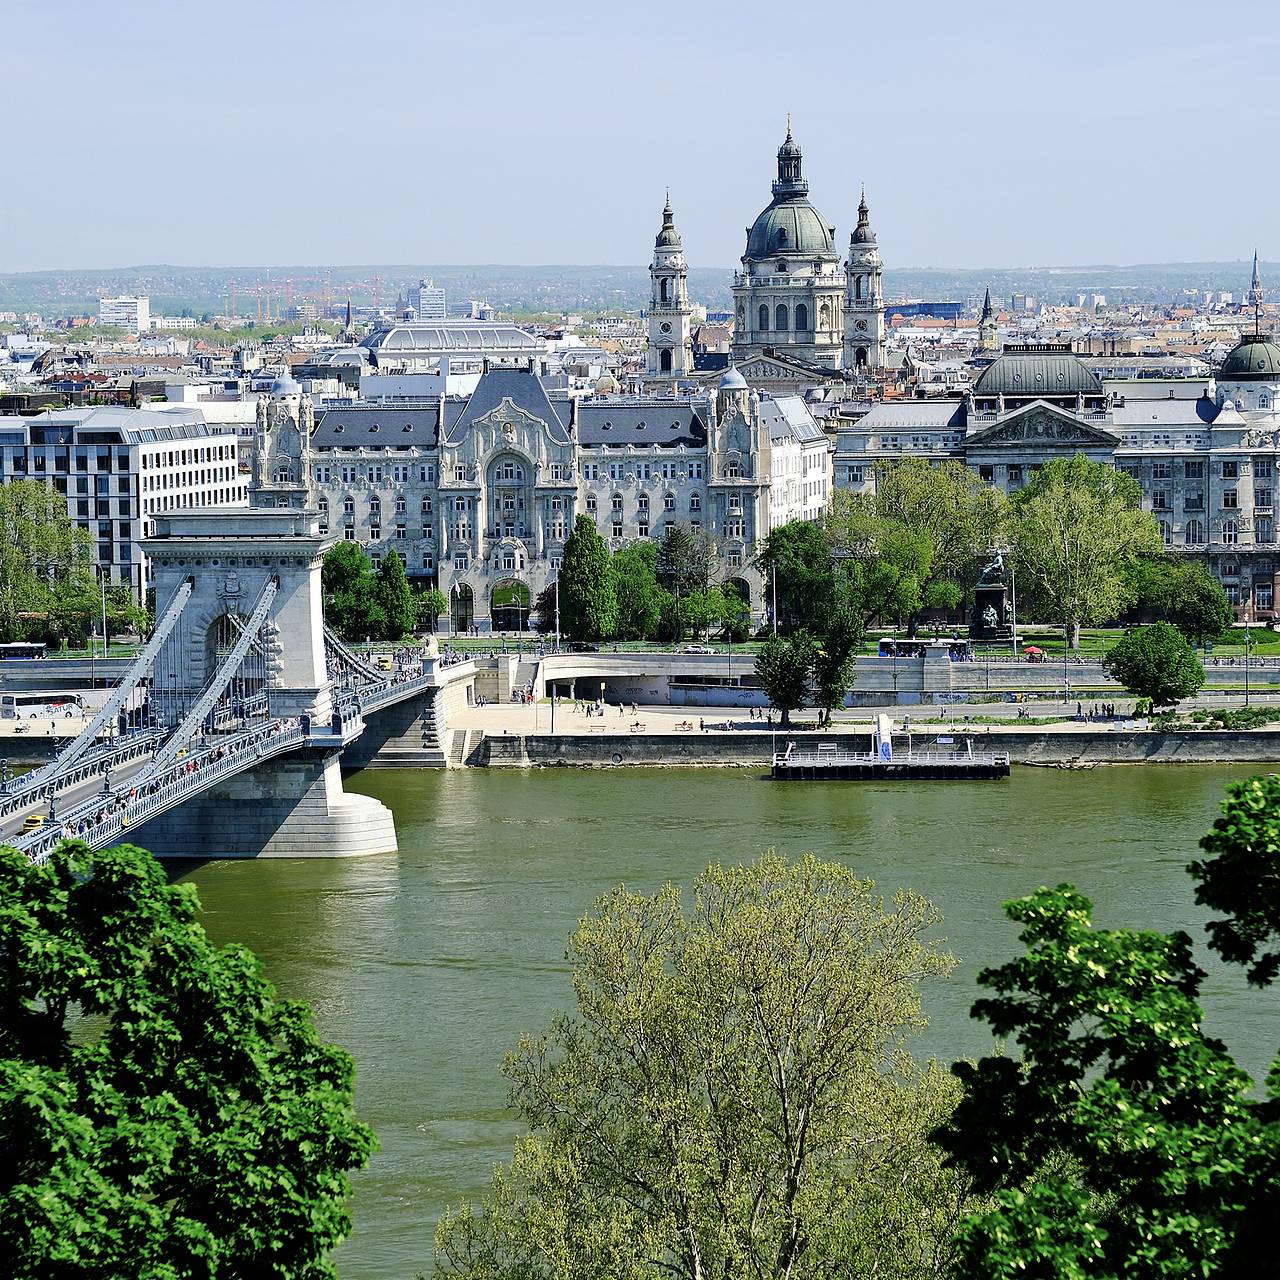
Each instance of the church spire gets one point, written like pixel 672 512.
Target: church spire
pixel 1255 294
pixel 986 305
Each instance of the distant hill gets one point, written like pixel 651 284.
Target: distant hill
pixel 201 290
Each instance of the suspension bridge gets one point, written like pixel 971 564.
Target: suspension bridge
pixel 224 736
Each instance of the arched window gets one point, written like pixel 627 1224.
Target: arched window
pixel 860 358
pixel 1264 401
pixel 664 290
pixel 857 287
pixel 802 317
pixel 1194 533
pixel 1230 534
pixel 782 237
pixel 764 317
pixel 669 501
pixel 1166 532
pixel 664 360
pixel 780 318
pixel 695 502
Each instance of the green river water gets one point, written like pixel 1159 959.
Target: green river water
pixel 427 965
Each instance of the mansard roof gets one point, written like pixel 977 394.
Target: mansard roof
pixel 525 391
pixel 386 426
pixel 640 422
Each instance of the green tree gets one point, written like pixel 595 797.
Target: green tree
pixel 784 666
pixel 1183 592
pixel 588 585
pixel 352 604
pixel 1077 528
pixel 1240 876
pixel 884 564
pixel 1156 662
pixel 734 1097
pixel 1122 1144
pixel 640 599
pixel 544 609
pixel 686 562
pixel 950 505
pixel 395 598
pixel 163 1114
pixel 797 558
pixel 835 656
pixel 46 560
pixel 430 605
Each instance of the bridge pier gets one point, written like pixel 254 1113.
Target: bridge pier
pixel 292 806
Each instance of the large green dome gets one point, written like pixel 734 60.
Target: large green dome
pixel 1254 358
pixel 789 227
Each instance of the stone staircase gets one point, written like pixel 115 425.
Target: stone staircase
pixel 463 746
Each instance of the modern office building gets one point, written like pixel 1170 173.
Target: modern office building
pixel 427 301
pixel 133 314
pixel 117 466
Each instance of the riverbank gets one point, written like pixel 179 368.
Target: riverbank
pixel 1079 748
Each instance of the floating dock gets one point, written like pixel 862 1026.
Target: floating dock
pixel 825 761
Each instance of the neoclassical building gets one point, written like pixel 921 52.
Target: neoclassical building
pixel 479 493
pixel 1206 454
pixel 802 316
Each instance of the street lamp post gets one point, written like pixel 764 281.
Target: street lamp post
pixel 1247 639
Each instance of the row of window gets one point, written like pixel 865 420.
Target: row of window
pixel 782 319
pixel 188 457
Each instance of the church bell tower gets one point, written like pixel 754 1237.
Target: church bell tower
pixel 864 297
pixel 670 353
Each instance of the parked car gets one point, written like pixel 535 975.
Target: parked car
pixel 582 646
pixel 698 648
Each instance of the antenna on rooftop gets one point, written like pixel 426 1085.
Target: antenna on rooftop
pixel 1255 288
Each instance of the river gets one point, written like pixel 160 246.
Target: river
pixel 428 965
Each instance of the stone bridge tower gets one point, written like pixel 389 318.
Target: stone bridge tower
pixel 292 806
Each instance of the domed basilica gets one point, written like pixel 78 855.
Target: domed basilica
pixel 802 316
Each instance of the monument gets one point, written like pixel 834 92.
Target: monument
pixel 992 617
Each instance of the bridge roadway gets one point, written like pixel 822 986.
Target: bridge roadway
pixel 100 808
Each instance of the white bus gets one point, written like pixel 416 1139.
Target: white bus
pixel 38 706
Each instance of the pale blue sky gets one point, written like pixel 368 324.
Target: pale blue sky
pixel 292 132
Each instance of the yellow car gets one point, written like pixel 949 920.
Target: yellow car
pixel 33 823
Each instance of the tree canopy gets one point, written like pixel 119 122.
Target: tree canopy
pixel 163 1114
pixel 353 604
pixel 395 598
pixel 948 505
pixel 785 668
pixel 1183 592
pixel 1122 1144
pixel 733 1096
pixel 1156 662
pixel 46 564
pixel 588 585
pixel 1077 527
pixel 1240 877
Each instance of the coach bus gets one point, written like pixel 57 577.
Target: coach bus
pixel 37 706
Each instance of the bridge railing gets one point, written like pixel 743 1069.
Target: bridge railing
pixel 31 788
pixel 104 819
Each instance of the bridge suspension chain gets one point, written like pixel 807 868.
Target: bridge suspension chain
pixel 218 682
pixel 138 670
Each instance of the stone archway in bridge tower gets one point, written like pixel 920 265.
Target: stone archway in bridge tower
pixel 509 603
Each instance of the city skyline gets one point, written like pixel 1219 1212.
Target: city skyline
pixel 1033 138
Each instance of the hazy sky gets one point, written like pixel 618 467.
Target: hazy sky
pixel 317 132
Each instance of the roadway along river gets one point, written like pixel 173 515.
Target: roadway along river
pixel 428 965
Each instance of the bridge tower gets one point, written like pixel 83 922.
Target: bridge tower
pixel 294 805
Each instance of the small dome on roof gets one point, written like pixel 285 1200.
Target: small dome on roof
pixel 1254 358
pixel 733 380
pixel 1033 371
pixel 606 385
pixel 285 385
